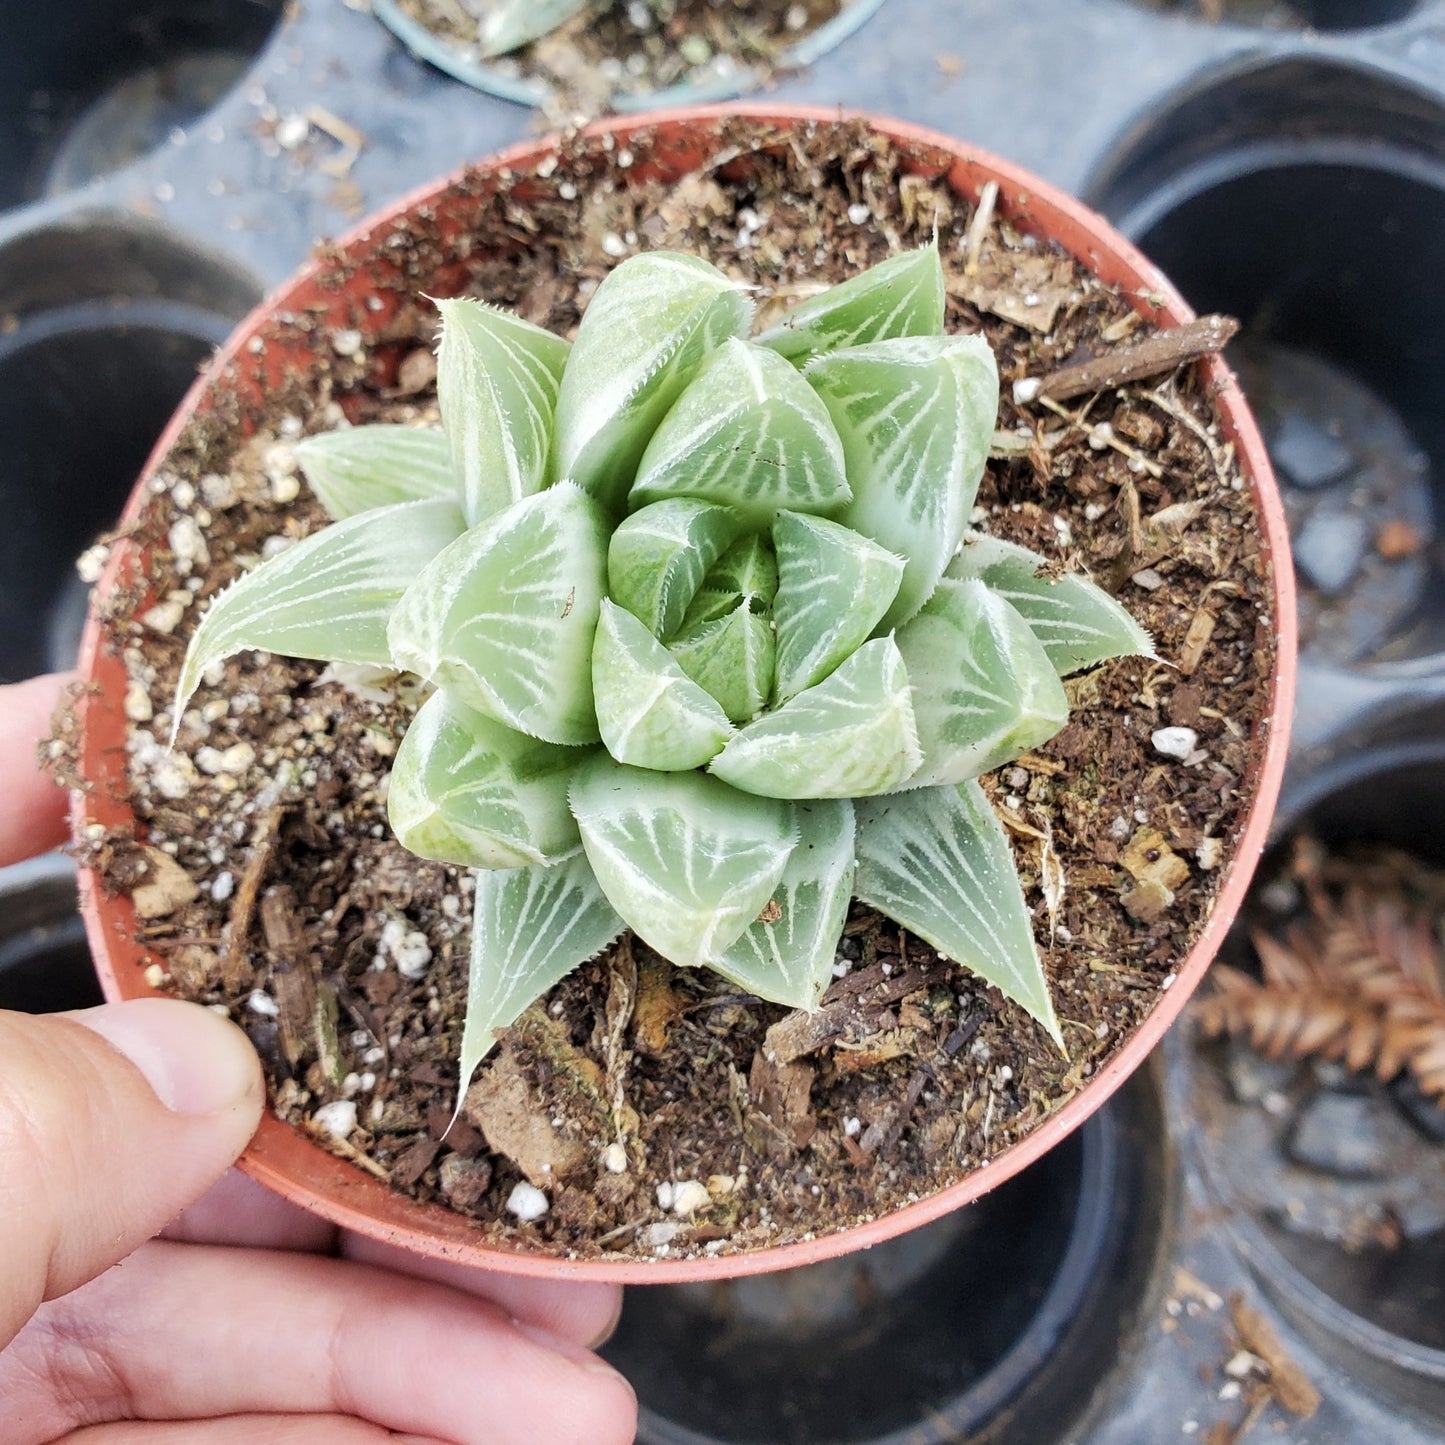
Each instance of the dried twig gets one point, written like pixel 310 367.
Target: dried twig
pixel 1152 356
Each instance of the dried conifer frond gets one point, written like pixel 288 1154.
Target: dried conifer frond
pixel 1359 979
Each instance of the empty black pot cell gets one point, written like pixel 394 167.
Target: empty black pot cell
pixel 107 325
pixel 1336 1182
pixel 44 961
pixel 1307 198
pixel 1006 1314
pixel 86 86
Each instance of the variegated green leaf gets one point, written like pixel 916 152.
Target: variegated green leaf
pixel 732 659
pixel 984 690
pixel 466 789
pixel 749 433
pixel 642 339
pixel 902 296
pixel 651 713
pixel 787 955
pixel 833 588
pixel 850 736
pixel 508 25
pixel 916 416
pixel 361 467
pixel 530 928
pixel 658 557
pixel 329 597
pixel 497 380
pixel 938 862
pixel 748 570
pixel 708 605
pixel 503 618
pixel 1078 622
pixel 688 861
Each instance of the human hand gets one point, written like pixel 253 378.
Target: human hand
pixel 250 1320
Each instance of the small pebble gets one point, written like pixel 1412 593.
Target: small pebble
pixel 1307 454
pixel 262 1004
pixel 1174 742
pixel 689 1196
pixel 337 1119
pixel 527 1202
pixel 346 343
pixel 291 132
pixel 614 1159
pixel 859 214
pixel 223 886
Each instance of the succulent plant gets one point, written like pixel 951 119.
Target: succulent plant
pixel 711 646
pixel 507 25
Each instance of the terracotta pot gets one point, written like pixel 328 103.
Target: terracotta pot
pixel 287 1161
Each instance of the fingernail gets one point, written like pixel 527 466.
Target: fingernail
pixel 196 1061
pixel 583 1358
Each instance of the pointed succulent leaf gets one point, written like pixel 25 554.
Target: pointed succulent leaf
pixel 466 789
pixel 497 380
pixel 938 862
pixel 750 433
pixel 642 339
pixel 688 861
pixel 503 618
pixel 834 585
pixel 1078 622
pixel 361 467
pixel 708 605
pixel 329 597
pixel 508 25
pixel 651 713
pixel 851 736
pixel 658 557
pixel 787 955
pixel 902 296
pixel 530 928
pixel 984 689
pixel 916 416
pixel 747 569
pixel 732 659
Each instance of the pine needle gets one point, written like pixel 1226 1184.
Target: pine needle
pixel 1359 979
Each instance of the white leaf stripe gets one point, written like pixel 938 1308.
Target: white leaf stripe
pixel 329 597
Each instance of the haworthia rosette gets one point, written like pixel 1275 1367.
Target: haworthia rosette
pixel 657 558
pixel 731 659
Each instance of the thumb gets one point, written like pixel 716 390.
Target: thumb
pixel 112 1120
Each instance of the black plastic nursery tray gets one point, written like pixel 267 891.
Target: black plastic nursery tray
pixel 164 162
